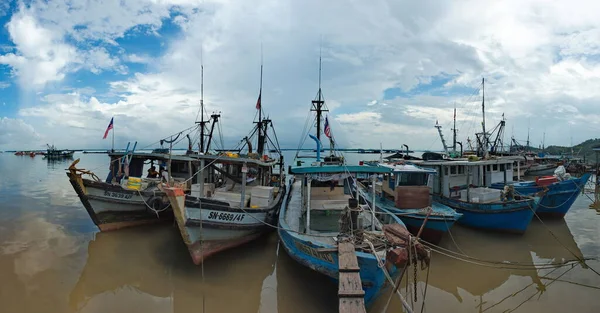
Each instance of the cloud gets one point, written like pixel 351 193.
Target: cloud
pixel 42 56
pixel 15 132
pixel 541 66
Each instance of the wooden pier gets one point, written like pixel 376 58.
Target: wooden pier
pixel 350 293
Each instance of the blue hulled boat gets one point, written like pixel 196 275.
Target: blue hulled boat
pixel 320 210
pixel 557 197
pixel 406 193
pixel 463 186
pixel 309 224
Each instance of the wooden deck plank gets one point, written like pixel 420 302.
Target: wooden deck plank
pixel 350 292
pixel 352 305
pixel 347 258
pixel 350 285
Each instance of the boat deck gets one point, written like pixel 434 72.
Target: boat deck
pixel 295 215
pixel 350 293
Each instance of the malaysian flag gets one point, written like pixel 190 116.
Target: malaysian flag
pixel 327 128
pixel 110 126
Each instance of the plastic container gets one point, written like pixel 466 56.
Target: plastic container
pixel 134 183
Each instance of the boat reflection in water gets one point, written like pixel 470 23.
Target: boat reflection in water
pixel 459 286
pixel 147 269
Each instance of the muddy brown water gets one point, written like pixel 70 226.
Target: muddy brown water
pixel 53 259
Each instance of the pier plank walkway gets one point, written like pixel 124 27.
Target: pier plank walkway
pixel 350 293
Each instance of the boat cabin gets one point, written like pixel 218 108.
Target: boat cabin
pixel 324 192
pixel 455 176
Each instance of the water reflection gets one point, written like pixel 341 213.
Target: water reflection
pixel 501 288
pixel 153 262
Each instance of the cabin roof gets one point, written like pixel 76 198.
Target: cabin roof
pixel 339 169
pixel 465 162
pixel 194 158
pixel 407 168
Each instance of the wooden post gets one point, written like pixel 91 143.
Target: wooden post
pixel 373 206
pixel 201 179
pixel 468 182
pixel 243 196
pixel 518 171
pixel 308 205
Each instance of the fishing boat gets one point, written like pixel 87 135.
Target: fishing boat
pixel 126 198
pixel 222 214
pixel 406 192
pixel 321 211
pixel 463 186
pixel 53 153
pixel 558 192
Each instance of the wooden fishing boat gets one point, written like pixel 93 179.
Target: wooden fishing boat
pixel 405 191
pixel 320 211
pixel 241 205
pixel 216 219
pixel 125 198
pixel 462 185
pixel 557 196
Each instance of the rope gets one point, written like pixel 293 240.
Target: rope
pixel 389 278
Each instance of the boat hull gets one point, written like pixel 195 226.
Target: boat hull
pixel 209 226
pixel 434 229
pixel 510 217
pixel 111 207
pixel 558 198
pixel 313 256
pixel 323 258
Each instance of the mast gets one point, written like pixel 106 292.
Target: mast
pixel 454 131
pixel 528 122
pixel 317 105
pixel 259 124
pixel 202 122
pixel 485 139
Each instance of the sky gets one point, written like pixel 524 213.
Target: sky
pixel 390 69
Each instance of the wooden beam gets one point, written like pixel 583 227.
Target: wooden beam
pixel 350 292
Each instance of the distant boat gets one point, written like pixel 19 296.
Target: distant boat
pixel 407 186
pixel 541 169
pixel 53 153
pixel 462 185
pixel 557 195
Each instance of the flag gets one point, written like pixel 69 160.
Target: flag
pixel 110 126
pixel 327 128
pixel 258 102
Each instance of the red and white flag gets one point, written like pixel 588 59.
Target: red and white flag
pixel 110 126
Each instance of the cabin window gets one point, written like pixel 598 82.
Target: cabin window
pixel 412 179
pixel 501 167
pixel 452 170
pixel 509 167
pixel 488 168
pixel 495 167
pixel 461 170
pixel 446 171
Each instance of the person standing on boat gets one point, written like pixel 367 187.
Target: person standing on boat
pixel 152 173
pixel 164 175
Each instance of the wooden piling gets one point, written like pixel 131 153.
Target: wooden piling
pixel 350 293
